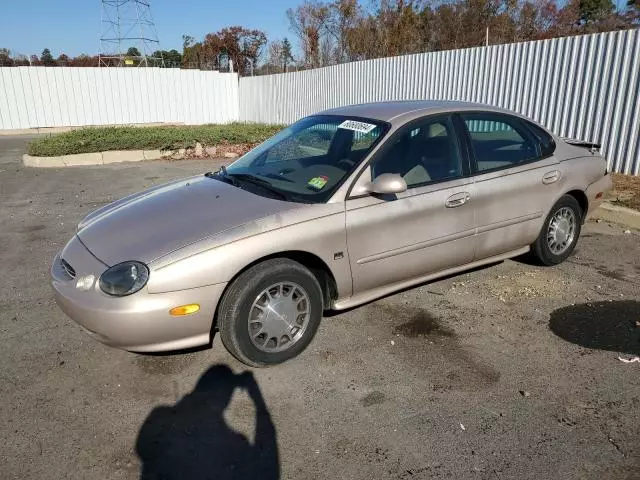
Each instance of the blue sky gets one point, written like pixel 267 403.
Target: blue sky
pixel 73 26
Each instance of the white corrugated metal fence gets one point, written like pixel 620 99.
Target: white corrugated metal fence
pixel 587 87
pixel 34 97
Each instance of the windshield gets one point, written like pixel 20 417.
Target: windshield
pixel 310 159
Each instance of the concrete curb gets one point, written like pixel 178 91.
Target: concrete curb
pixel 620 215
pixel 617 208
pixel 98 158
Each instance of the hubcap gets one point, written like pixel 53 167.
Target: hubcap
pixel 278 317
pixel 562 230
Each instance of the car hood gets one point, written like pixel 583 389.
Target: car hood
pixel 156 222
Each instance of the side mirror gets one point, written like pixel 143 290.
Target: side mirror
pixel 387 183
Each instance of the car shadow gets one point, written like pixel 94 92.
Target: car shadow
pixel 182 351
pixel 527 259
pixel 191 439
pixel 600 325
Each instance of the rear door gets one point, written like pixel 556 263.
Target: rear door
pixel 517 178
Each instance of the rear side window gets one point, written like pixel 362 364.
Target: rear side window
pixel 499 141
pixel 547 145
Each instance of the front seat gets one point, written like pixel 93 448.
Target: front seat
pixel 435 159
pixel 417 172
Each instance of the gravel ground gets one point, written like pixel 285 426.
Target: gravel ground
pixel 510 371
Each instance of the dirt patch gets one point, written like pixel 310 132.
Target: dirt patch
pixel 541 283
pixel 626 191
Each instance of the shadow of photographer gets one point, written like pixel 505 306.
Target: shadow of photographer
pixel 192 440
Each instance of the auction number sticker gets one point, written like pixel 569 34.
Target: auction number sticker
pixel 357 126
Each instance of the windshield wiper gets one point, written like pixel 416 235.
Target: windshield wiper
pixel 223 176
pixel 246 177
pixel 234 178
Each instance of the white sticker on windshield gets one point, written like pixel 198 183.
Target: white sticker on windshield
pixel 357 126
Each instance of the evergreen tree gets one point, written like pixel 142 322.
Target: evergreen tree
pixel 133 52
pixel 594 10
pixel 46 58
pixel 286 53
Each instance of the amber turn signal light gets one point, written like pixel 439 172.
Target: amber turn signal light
pixel 184 310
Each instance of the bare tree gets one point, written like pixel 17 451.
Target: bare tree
pixel 310 23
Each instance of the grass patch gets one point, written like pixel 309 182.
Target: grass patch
pixel 626 191
pixel 88 140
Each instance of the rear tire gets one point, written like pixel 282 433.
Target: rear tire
pixel 560 232
pixel 270 297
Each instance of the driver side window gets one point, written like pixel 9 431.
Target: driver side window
pixel 423 152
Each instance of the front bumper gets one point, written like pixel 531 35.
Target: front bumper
pixel 140 322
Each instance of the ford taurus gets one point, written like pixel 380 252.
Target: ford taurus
pixel 336 210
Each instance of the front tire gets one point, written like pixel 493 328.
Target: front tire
pixel 270 313
pixel 560 232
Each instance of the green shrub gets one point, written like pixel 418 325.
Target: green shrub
pixel 100 139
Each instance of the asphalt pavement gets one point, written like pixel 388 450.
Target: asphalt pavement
pixel 506 372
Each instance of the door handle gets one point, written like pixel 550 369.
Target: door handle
pixel 551 177
pixel 457 199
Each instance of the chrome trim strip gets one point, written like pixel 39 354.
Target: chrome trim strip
pixel 509 222
pixel 449 238
pixel 417 246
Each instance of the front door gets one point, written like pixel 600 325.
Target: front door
pixel 426 229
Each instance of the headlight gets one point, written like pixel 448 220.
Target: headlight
pixel 124 279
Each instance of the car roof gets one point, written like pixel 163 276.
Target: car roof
pixel 401 111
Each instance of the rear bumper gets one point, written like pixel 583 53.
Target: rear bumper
pixel 140 322
pixel 596 192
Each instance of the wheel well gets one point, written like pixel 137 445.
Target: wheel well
pixel 315 264
pixel 582 200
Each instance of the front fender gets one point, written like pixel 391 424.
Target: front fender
pixel 323 237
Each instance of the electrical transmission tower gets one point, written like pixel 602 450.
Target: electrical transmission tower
pixel 128 35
